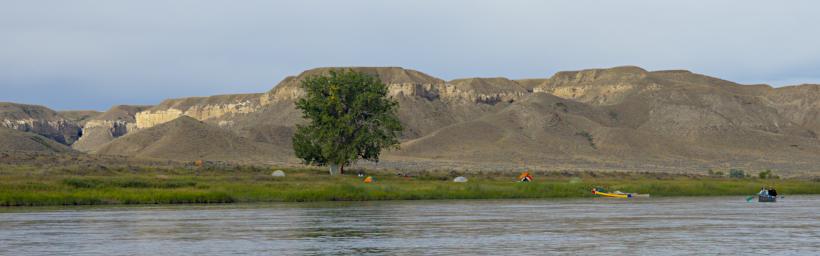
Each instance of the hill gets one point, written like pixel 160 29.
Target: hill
pixel 79 117
pixel 107 126
pixel 14 140
pixel 40 120
pixel 621 118
pixel 187 139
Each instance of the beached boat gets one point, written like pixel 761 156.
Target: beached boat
pixel 611 194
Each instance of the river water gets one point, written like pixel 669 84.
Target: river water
pixel 655 226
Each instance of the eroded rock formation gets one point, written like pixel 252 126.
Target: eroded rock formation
pixel 39 120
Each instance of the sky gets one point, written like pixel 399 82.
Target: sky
pixel 73 55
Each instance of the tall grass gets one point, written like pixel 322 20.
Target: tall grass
pixel 27 187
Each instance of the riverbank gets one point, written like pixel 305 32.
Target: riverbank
pixel 28 186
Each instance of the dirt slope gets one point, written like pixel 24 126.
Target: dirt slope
pixel 14 140
pixel 187 139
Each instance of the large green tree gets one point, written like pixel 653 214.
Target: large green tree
pixel 350 117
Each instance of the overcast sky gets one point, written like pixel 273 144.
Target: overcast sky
pixel 95 54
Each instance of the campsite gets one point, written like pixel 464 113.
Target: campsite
pixel 29 186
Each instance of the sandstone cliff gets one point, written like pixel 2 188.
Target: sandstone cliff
pixel 39 120
pixel 114 123
pixel 200 108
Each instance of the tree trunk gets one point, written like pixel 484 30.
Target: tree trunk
pixel 342 170
pixel 334 169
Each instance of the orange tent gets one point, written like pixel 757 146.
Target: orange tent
pixel 525 177
pixel 369 179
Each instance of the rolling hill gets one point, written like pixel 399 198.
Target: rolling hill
pixel 621 118
pixel 14 140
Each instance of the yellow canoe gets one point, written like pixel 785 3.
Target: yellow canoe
pixel 613 195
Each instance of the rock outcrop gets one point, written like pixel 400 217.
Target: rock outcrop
pixel 40 120
pixel 484 90
pixel 105 127
pixel 200 108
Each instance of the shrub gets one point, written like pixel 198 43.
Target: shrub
pixel 82 183
pixel 767 174
pixel 737 173
pixel 613 115
pixel 589 138
pixel 133 184
pixel 562 106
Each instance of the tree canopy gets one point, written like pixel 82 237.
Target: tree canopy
pixel 350 117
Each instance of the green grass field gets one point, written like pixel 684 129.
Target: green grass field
pixel 28 186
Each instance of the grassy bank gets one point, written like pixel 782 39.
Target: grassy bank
pixel 28 186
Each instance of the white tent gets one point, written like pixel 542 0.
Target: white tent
pixel 278 173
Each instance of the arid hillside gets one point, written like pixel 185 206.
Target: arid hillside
pixel 14 140
pixel 40 120
pixel 187 139
pixel 105 127
pixel 622 118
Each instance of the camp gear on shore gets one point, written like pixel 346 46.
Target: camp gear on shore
pixel 604 194
pixel 525 177
pixel 633 194
pixel 369 179
pixel 278 173
pixel 460 179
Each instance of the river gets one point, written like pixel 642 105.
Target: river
pixel 655 226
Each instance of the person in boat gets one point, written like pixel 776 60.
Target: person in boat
pixel 772 192
pixel 763 192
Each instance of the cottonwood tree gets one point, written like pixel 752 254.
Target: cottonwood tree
pixel 350 117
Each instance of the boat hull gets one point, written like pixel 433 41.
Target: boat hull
pixel 613 195
pixel 766 199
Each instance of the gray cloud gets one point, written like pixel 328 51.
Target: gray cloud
pixel 93 54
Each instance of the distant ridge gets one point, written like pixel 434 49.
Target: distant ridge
pixel 620 118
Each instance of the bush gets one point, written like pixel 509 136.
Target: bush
pixel 767 174
pixel 737 173
pixel 133 184
pixel 562 106
pixel 715 173
pixel 82 183
pixel 589 138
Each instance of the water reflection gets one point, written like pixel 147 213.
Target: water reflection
pixel 655 226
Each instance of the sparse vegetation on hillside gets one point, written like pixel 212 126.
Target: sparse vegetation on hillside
pixel 587 136
pixel 563 107
pixel 767 174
